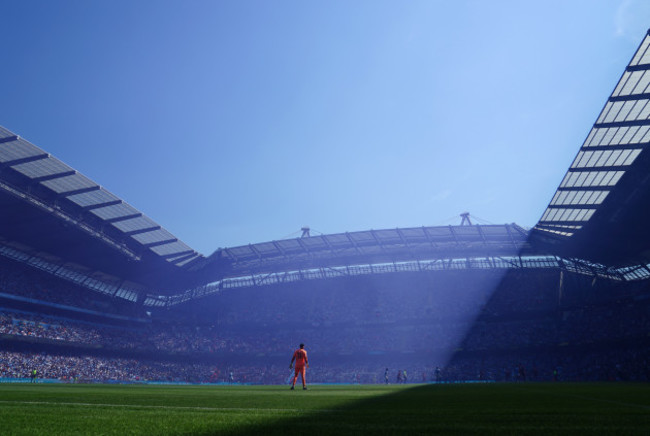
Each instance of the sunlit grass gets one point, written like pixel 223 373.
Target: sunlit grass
pixel 431 409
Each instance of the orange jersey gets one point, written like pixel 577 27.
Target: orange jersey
pixel 301 356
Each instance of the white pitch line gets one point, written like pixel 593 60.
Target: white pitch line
pixel 149 406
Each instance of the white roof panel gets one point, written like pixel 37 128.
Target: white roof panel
pixel 92 198
pixel 34 163
pixel 171 248
pixel 42 167
pixel 153 236
pixel 18 149
pixel 133 224
pixel 69 183
pixel 4 133
pixel 114 211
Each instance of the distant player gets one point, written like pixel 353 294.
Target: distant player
pixel 302 363
pixel 386 376
pixel 521 373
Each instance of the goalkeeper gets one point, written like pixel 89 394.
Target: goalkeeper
pixel 300 357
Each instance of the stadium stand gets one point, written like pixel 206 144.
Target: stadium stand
pixel 91 290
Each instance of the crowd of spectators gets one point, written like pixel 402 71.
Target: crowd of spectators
pixel 190 339
pixel 360 301
pixel 21 280
pixel 553 365
pixel 16 365
pixel 38 326
pixel 97 369
pixel 521 325
pixel 581 325
pixel 608 365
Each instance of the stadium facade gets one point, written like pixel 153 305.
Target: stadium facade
pixel 74 254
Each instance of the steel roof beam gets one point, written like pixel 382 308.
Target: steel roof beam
pixel 354 244
pixel 512 237
pixel 586 188
pixel 277 247
pixel 509 262
pixel 646 268
pixel 637 146
pixel 598 169
pixel 303 246
pixel 264 278
pixel 231 254
pixel 156 244
pixel 490 261
pixel 631 97
pixel 377 241
pixel 573 206
pixel 104 204
pixel 182 258
pixel 568 223
pixel 145 230
pixel 622 124
pixel 588 266
pixel 405 242
pixel 179 253
pixel 402 237
pixel 79 191
pixel 123 218
pixel 255 251
pixel 23 160
pixel 643 67
pixel 636 268
pixel 558 228
pixel 327 243
pixel 453 234
pixel 9 139
pixel 188 261
pixel 53 176
pixel 482 235
pixel 428 237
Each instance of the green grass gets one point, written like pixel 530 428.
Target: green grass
pixel 500 409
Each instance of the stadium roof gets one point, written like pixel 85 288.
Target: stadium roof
pixel 44 201
pixel 370 247
pixel 599 212
pixel 55 218
pixel 375 252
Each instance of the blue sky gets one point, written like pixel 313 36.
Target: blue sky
pixel 234 122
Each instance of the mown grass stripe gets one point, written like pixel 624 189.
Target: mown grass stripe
pixel 595 399
pixel 149 406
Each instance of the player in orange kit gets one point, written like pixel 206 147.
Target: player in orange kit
pixel 300 357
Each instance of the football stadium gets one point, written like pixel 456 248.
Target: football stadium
pixel 110 324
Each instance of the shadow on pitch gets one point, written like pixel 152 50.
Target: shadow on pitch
pixel 406 411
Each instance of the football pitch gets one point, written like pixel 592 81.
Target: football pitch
pixel 500 409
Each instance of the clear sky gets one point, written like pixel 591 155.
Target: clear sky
pixel 234 122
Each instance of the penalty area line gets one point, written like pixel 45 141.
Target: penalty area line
pixel 149 406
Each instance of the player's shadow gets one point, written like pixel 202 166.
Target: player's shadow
pixel 396 413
